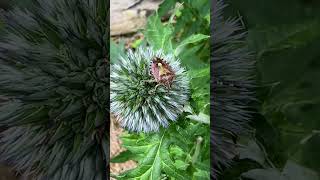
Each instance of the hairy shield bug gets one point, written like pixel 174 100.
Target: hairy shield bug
pixel 162 72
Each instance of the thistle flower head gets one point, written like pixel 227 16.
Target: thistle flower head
pixel 148 89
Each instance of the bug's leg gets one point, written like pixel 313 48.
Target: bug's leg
pixel 168 87
pixel 148 81
pixel 153 91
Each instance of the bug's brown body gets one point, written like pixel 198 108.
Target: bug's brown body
pixel 162 72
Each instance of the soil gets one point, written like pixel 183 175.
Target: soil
pixel 115 149
pixel 6 173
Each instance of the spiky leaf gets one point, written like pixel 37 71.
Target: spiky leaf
pixel 168 153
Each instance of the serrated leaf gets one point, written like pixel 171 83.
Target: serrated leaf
pixel 122 157
pixel 201 175
pixel 158 35
pixel 200 85
pixel 291 171
pixel 166 6
pixel 263 174
pixel 156 159
pixel 166 151
pixel 294 171
pixel 201 117
pixel 253 152
pixel 190 40
pixel 182 165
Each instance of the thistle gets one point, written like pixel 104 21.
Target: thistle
pixel 148 90
pixel 53 79
pixel 232 87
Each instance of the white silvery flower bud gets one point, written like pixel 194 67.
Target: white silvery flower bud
pixel 148 89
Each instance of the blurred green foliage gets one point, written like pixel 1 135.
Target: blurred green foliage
pixel 285 39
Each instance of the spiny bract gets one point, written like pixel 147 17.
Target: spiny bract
pixel 54 88
pixel 232 85
pixel 137 100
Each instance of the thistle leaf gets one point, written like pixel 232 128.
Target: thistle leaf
pixel 165 153
pixel 291 171
pixel 158 35
pixel 189 40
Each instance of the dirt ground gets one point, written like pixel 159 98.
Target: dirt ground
pixel 6 173
pixel 115 149
pixel 115 129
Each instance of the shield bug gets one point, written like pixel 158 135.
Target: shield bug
pixel 162 72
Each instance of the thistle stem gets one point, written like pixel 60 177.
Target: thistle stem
pixel 197 150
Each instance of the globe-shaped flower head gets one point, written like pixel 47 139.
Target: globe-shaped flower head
pixel 148 89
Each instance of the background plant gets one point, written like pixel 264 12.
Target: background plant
pixel 232 85
pixel 181 151
pixel 285 141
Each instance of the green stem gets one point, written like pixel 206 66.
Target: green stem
pixel 197 150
